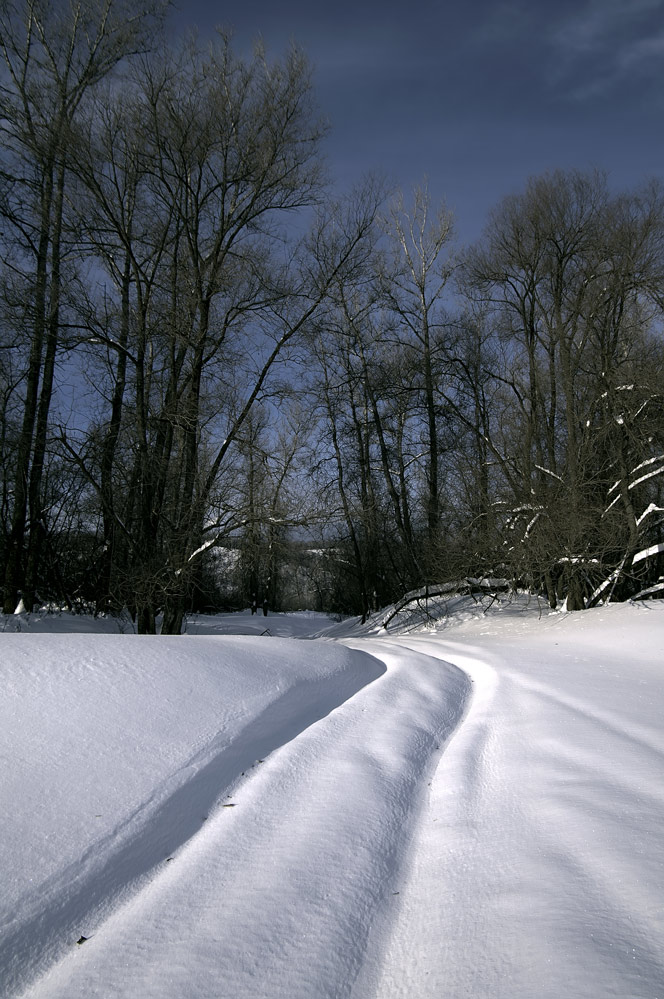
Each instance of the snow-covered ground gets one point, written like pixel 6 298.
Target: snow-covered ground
pixel 473 809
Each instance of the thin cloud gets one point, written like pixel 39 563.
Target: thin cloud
pixel 604 44
pixel 601 23
pixel 643 52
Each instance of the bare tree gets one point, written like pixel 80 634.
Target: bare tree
pixel 53 56
pixel 569 275
pixel 207 289
pixel 414 275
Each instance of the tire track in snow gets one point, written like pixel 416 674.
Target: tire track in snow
pixel 435 924
pixel 279 896
pixel 522 881
pixel 44 926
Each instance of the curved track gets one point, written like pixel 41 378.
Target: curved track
pixel 478 817
pixel 290 882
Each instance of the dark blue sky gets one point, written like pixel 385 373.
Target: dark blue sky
pixel 476 96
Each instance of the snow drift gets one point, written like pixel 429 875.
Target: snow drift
pixel 473 809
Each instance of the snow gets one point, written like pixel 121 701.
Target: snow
pixel 651 508
pixel 647 553
pixel 471 808
pixel 648 475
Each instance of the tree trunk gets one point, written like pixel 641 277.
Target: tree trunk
pixel 37 535
pixel 14 569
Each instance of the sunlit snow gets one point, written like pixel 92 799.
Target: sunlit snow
pixel 468 808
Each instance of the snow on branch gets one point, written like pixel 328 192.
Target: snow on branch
pixel 618 388
pixel 647 552
pixel 612 579
pixel 637 468
pixel 532 524
pixel 649 592
pixel 648 475
pixel 578 560
pixel 611 504
pixel 534 509
pixel 459 587
pixel 648 461
pixel 632 485
pixel 204 547
pixel 547 471
pixel 651 508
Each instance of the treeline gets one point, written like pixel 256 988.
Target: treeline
pixel 519 433
pixel 218 383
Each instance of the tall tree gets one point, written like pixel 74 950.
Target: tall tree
pixel 414 275
pixel 53 56
pixel 569 276
pixel 208 290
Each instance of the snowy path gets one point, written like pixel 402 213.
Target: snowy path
pixel 538 868
pixel 475 813
pixel 114 751
pixel 305 862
